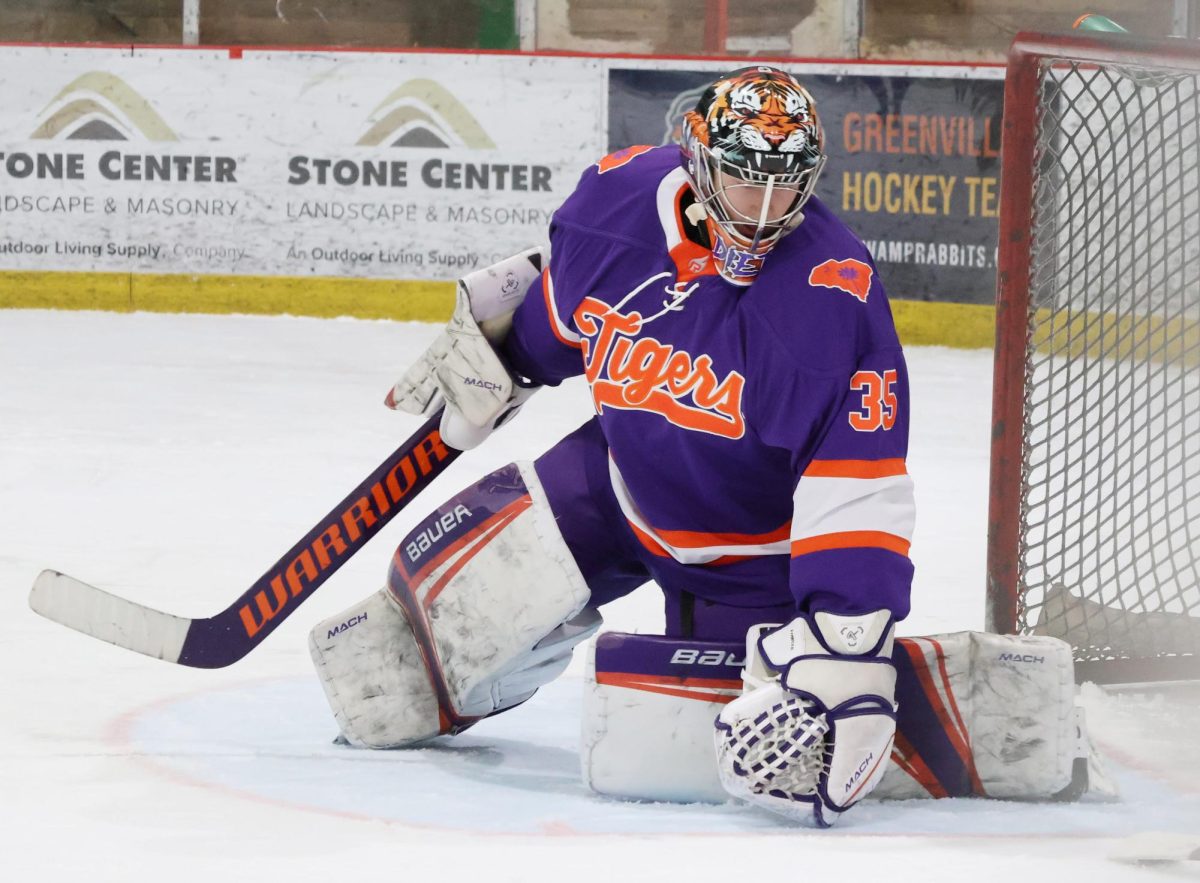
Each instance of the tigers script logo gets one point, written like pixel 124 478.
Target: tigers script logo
pixel 644 374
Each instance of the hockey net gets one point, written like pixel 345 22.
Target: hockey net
pixel 1094 526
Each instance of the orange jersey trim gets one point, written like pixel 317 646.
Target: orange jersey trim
pixel 851 539
pixel 657 548
pixel 856 468
pixel 648 541
pixel 552 315
pixel 694 539
pixel 691 259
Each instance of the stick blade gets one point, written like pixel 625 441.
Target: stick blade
pixel 92 611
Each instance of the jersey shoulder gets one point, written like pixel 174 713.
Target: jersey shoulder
pixel 625 222
pixel 618 195
pixel 820 296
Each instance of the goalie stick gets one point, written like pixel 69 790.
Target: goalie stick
pixel 225 638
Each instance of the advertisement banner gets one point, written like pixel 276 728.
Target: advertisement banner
pixel 422 166
pixel 371 165
pixel 914 163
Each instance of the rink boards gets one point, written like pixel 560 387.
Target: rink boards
pixel 338 182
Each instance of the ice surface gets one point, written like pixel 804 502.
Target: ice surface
pixel 171 459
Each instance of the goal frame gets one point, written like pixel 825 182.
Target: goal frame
pixel 1013 326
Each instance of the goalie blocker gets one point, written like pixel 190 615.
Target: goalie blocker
pixel 979 715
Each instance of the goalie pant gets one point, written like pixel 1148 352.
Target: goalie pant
pixel 520 562
pixel 487 595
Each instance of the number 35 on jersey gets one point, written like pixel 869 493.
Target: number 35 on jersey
pixel 877 410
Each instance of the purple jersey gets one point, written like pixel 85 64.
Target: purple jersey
pixel 741 421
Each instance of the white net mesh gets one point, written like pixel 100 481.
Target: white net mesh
pixel 1110 513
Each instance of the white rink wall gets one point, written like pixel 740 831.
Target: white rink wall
pixel 263 162
pixel 277 163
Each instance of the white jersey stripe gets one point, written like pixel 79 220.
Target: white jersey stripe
pixel 563 333
pixel 665 199
pixel 835 505
pixel 689 554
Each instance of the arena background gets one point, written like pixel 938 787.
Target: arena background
pixel 354 158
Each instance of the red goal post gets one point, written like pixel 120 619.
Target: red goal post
pixel 1094 520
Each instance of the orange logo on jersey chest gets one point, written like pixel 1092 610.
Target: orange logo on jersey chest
pixel 621 157
pixel 850 276
pixel 643 374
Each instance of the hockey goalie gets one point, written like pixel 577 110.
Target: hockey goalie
pixel 746 457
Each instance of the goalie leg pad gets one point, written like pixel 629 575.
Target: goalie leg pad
pixel 373 674
pixel 648 707
pixel 484 604
pixel 990 715
pixel 980 714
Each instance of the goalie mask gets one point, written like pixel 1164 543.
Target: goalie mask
pixel 753 147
